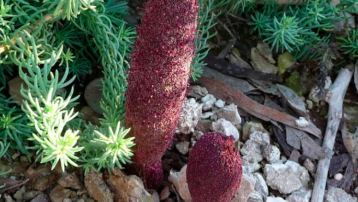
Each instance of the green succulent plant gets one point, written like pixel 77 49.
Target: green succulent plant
pixel 3 149
pixel 33 39
pixel 350 43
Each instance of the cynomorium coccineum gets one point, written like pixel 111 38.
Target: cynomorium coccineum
pixel 158 79
pixel 214 169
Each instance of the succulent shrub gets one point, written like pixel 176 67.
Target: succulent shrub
pixel 214 169
pixel 51 42
pixel 158 79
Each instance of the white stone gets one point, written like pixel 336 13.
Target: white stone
pixel 226 127
pixel 260 137
pixel 286 178
pixel 356 190
pixel 214 117
pixel 206 115
pixel 219 103
pixel 260 185
pixel 302 122
pixel 250 166
pixel 314 94
pixel 230 113
pixel 301 195
pixel 197 134
pixel 338 195
pixel 275 199
pixel 208 102
pixel 165 193
pixel 255 197
pixel 183 147
pixel 309 104
pixel 183 185
pixel 309 166
pixel 247 187
pixel 180 183
pixel 189 116
pixel 251 151
pixel 338 176
pixel 327 82
pixel 272 153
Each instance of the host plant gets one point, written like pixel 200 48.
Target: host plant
pixel 43 40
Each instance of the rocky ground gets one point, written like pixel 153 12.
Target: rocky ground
pixel 269 174
pixel 279 161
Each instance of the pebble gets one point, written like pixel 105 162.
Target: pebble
pixel 183 147
pixel 207 115
pixel 219 103
pixel 338 176
pixel 356 190
pixel 302 122
pixel 309 104
pixel 208 101
pixel 309 166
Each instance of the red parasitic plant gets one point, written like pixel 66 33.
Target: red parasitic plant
pixel 214 169
pixel 158 79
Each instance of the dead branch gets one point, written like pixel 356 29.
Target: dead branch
pixel 335 99
pixel 232 95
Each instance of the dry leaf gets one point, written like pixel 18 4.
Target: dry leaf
pixel 293 100
pixel 300 140
pixel 351 143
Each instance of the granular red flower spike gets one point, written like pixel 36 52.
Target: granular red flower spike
pixel 214 169
pixel 158 79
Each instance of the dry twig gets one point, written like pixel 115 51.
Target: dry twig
pixel 335 99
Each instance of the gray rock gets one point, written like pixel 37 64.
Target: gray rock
pixel 275 199
pixel 255 197
pixel 208 102
pixel 295 155
pixel 272 153
pixel 189 116
pixel 230 113
pixel 301 195
pixel 165 193
pixel 202 91
pixel 309 104
pixel 338 195
pixel 206 115
pixel 286 178
pixel 250 166
pixel 226 127
pixel 260 185
pixel 251 151
pixel 180 182
pixel 246 189
pixel 308 164
pixel 41 198
pixel 183 147
pixel 260 137
pixel 219 103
